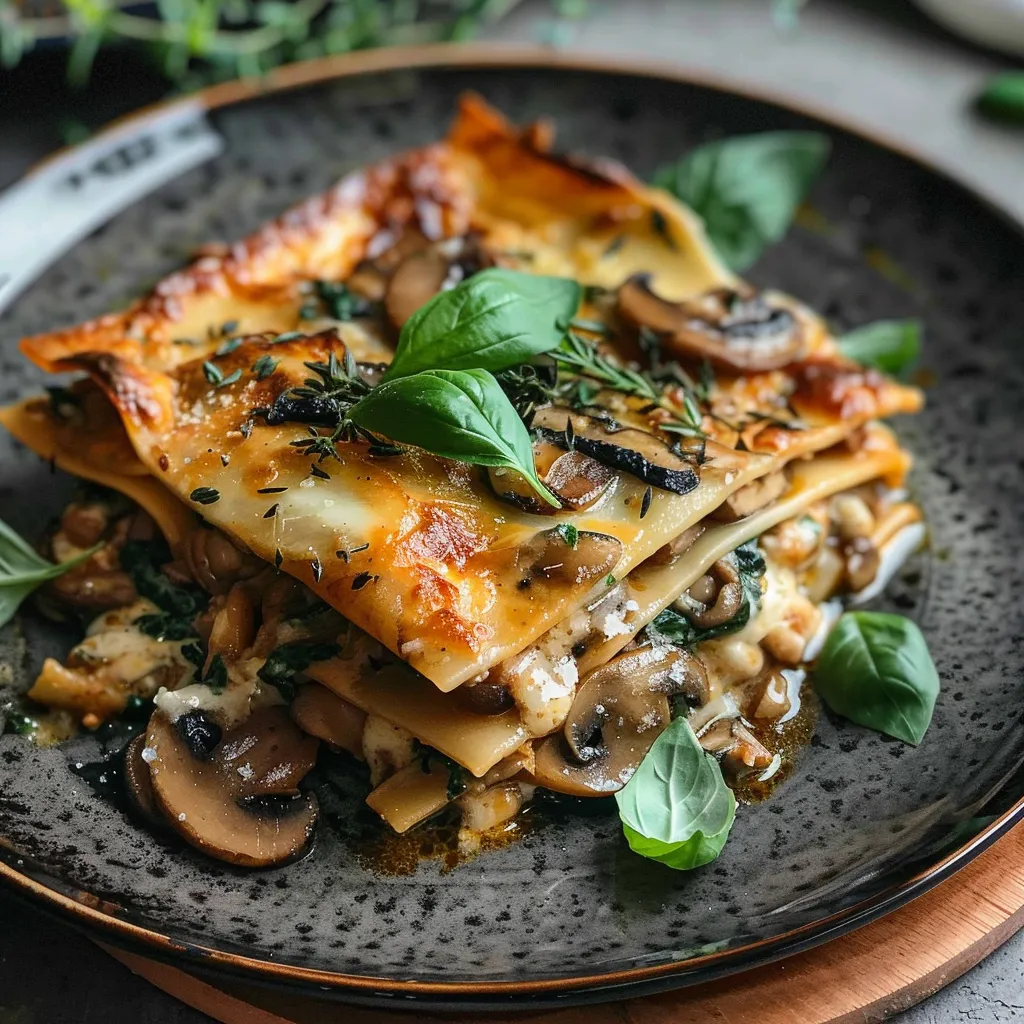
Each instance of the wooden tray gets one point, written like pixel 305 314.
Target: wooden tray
pixel 865 976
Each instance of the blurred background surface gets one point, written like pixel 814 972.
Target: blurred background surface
pixel 883 65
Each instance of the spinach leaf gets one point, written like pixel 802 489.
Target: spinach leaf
pixel 892 346
pixel 142 561
pixel 457 414
pixel 1003 97
pixel 285 661
pixel 491 321
pixel 676 808
pixel 675 627
pixel 747 188
pixel 22 570
pixel 875 669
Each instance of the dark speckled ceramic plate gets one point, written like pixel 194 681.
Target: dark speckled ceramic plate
pixel 568 914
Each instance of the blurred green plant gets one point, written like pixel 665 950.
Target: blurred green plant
pixel 1002 98
pixel 202 41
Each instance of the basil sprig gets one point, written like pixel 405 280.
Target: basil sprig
pixel 892 346
pixel 875 669
pixel 494 320
pixel 457 414
pixel 676 809
pixel 747 189
pixel 22 571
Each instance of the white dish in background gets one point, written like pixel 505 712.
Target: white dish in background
pixel 995 23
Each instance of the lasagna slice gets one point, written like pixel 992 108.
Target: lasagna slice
pixel 716 464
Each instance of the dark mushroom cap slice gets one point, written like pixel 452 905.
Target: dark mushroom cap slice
pixel 629 449
pixel 578 480
pixel 626 702
pixel 322 713
pixel 242 805
pixel 744 333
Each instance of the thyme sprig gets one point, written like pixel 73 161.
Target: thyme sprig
pixel 587 364
pixel 325 401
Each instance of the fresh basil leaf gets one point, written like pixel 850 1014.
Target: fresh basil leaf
pixel 676 808
pixel 694 852
pixel 875 669
pixel 457 414
pixel 892 346
pixel 747 189
pixel 22 571
pixel 1003 97
pixel 674 625
pixel 491 321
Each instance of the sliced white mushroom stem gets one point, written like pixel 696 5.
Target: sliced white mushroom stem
pixel 425 272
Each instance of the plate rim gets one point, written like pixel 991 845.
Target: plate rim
pixel 85 912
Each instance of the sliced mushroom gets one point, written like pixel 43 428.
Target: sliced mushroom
pixel 424 273
pixel 633 451
pixel 740 332
pixel 715 598
pixel 242 805
pixel 751 498
pixel 575 478
pixel 550 558
pixel 487 698
pixel 322 713
pixel 216 562
pixel 619 711
pixel 740 752
pixel 138 783
pixel 768 695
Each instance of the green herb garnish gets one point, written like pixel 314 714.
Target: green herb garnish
pixel 569 534
pixel 494 320
pixel 264 366
pixel 205 495
pixel 892 346
pixel 22 570
pixel 676 808
pixel 747 189
pixel 287 661
pixel 457 414
pixel 875 669
pixel 1003 97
